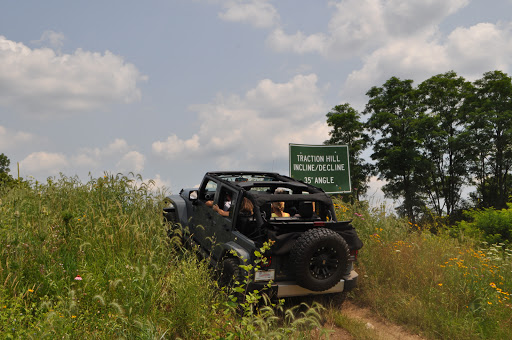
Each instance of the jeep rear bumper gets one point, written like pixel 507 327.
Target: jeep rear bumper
pixel 291 288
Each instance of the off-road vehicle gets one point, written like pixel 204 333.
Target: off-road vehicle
pixel 312 252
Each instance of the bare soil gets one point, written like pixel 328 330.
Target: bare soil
pixel 383 329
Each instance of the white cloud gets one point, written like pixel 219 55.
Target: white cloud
pixel 159 184
pixel 118 156
pixel 83 161
pixel 301 96
pixel 468 51
pixel 53 39
pixel 173 146
pixel 10 139
pixel 407 18
pixel 258 13
pixel 118 146
pixel 359 26
pixel 479 48
pixel 44 164
pixel 244 132
pixel 43 82
pixel 299 42
pixel 133 161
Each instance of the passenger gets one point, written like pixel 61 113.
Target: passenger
pixel 225 210
pixel 245 222
pixel 278 210
pixel 247 208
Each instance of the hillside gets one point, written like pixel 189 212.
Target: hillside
pixel 92 260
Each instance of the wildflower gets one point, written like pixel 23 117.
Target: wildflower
pixel 73 316
pixel 31 290
pixel 440 284
pixel 78 278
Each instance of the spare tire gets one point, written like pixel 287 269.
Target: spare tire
pixel 320 258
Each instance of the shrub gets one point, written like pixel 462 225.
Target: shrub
pixel 493 226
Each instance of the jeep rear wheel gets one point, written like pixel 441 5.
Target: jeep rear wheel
pixel 320 258
pixel 229 273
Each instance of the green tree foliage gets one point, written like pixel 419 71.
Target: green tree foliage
pixel 445 140
pixel 347 129
pixel 4 170
pixel 4 163
pixel 394 119
pixel 494 226
pixel 489 113
pixel 430 141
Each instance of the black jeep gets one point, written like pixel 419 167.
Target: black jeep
pixel 312 252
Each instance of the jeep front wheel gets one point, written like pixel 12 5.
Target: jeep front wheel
pixel 320 258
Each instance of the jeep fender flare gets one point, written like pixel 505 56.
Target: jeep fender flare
pixel 232 249
pixel 179 209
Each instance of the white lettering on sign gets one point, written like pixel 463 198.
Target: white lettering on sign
pixel 318 158
pixel 311 158
pixel 319 167
pixel 324 180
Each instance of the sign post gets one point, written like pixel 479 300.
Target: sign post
pixel 324 166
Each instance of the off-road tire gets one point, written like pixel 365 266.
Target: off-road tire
pixel 320 258
pixel 229 272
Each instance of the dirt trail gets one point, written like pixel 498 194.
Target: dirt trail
pixel 383 329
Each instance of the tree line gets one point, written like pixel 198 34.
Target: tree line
pixel 431 141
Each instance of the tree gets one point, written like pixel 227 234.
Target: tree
pixel 4 163
pixel 4 170
pixel 394 118
pixel 489 114
pixel 445 141
pixel 347 129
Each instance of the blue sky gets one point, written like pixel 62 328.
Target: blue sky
pixel 172 89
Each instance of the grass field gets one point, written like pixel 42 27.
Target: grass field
pixel 92 260
pixel 439 286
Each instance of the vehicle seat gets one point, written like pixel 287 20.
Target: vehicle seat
pixel 266 211
pixel 306 210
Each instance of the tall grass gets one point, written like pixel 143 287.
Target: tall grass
pixel 443 287
pixel 92 260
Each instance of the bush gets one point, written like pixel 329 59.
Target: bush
pixel 493 226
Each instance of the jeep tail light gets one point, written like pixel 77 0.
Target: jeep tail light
pixel 319 224
pixel 353 255
pixel 269 262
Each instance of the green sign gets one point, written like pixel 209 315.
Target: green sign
pixel 324 166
